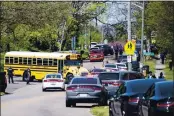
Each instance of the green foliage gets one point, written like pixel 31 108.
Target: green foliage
pixel 39 25
pixel 100 111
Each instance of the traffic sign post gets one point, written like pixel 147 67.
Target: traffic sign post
pixel 129 49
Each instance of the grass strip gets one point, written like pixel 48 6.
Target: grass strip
pixel 151 64
pixel 100 111
pixel 167 72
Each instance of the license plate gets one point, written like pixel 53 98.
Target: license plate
pixel 53 83
pixel 83 95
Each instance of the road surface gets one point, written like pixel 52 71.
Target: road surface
pixel 29 100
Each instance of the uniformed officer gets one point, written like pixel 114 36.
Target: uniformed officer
pixel 28 75
pixel 10 74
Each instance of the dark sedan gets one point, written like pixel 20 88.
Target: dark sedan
pixel 85 90
pixel 112 80
pixel 158 100
pixel 125 101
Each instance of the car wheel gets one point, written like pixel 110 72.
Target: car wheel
pixel 74 104
pixel 68 103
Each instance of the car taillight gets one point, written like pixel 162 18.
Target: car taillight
pixel 45 80
pixel 165 104
pixel 133 100
pixel 116 84
pixel 71 88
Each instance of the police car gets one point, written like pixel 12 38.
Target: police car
pixel 53 81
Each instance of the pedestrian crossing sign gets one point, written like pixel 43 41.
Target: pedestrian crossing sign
pixel 129 48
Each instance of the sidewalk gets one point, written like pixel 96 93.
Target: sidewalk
pixel 159 68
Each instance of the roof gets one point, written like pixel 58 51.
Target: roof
pixel 120 72
pixel 37 54
pixel 140 85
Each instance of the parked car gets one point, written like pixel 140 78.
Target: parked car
pixel 3 81
pixel 95 48
pixel 126 99
pixel 85 90
pixel 122 58
pixel 97 71
pixel 106 49
pixel 158 100
pixel 53 81
pixel 96 55
pixel 121 66
pixel 112 80
pixel 93 44
pixel 111 67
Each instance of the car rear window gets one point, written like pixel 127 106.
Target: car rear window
pixel 98 70
pixel 84 81
pixel 121 65
pixel 95 51
pixel 110 66
pixel 167 90
pixel 53 76
pixel 108 76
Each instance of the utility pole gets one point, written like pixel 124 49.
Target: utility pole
pixel 129 31
pixel 142 37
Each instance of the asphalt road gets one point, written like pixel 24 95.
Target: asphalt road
pixel 29 100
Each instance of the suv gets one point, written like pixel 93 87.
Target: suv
pixel 112 80
pixel 106 49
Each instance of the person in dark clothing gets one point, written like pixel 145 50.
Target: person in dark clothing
pixel 161 76
pixel 10 74
pixel 153 76
pixel 116 51
pixel 28 75
pixel 170 64
pixel 120 49
pixel 162 58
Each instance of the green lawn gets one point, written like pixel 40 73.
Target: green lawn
pixel 100 111
pixel 151 64
pixel 167 72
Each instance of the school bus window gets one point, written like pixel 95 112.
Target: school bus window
pixel 45 61
pixel 50 62
pixel 16 60
pixel 6 60
pixel 11 60
pixel 39 61
pixel 24 60
pixel 29 60
pixel 55 62
pixel 20 60
pixel 34 60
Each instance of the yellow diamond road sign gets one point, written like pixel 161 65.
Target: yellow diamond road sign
pixel 129 48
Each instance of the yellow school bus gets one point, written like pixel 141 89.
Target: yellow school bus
pixel 42 63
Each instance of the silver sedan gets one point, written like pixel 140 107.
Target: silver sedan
pixel 85 90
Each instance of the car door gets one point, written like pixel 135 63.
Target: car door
pixel 118 101
pixel 146 100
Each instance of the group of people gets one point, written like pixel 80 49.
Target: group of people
pixel 152 76
pixel 26 75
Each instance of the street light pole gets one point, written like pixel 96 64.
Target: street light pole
pixel 142 37
pixel 129 30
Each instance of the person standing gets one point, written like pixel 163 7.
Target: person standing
pixel 10 74
pixel 162 58
pixel 161 76
pixel 120 49
pixel 116 51
pixel 28 76
pixel 150 75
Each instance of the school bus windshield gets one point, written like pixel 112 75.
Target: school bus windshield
pixel 72 62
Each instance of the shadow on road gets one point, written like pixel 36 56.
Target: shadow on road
pixel 54 90
pixel 6 93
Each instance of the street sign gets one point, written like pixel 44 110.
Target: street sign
pixel 129 48
pixel 149 54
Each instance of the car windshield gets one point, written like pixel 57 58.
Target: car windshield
pixel 121 65
pixel 84 81
pixel 108 76
pixel 94 48
pixel 72 62
pixel 95 51
pixel 110 66
pixel 53 76
pixel 123 57
pixel 98 70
